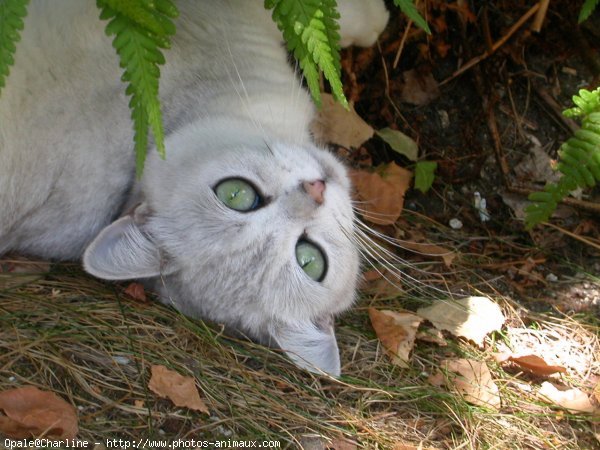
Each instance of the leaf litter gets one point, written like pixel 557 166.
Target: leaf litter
pixel 30 412
pixel 179 389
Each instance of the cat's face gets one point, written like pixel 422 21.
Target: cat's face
pixel 252 234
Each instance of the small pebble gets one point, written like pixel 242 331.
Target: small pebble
pixel 455 224
pixel 552 278
pixel 121 360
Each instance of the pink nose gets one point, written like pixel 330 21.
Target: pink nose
pixel 315 189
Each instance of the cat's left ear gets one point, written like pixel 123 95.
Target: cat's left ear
pixel 309 345
pixel 123 250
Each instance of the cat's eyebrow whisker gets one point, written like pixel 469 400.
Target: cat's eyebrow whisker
pixel 245 98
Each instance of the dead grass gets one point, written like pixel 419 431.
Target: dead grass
pixel 88 342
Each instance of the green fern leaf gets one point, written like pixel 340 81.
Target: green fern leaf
pixel 311 32
pixel 408 7
pixel 587 9
pixel 579 160
pixel 141 29
pixel 12 13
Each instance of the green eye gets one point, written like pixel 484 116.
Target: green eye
pixel 311 259
pixel 237 194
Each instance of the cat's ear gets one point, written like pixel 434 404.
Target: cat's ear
pixel 123 251
pixel 309 345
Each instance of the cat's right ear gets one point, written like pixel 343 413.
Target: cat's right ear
pixel 123 251
pixel 309 345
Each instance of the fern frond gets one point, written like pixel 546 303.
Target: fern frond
pixel 141 29
pixel 579 160
pixel 410 10
pixel 587 9
pixel 12 13
pixel 310 30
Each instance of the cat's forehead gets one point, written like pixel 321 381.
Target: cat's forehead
pixel 288 163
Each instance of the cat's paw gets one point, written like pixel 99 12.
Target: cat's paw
pixel 361 21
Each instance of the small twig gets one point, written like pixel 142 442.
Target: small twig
pixel 573 235
pixel 493 126
pixel 487 34
pixel 556 109
pixel 536 26
pixel 402 42
pixel 499 43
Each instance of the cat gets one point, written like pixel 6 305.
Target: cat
pixel 247 223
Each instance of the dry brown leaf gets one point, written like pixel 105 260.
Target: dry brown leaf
pixel 424 248
pixel 400 446
pixel 474 381
pixel 573 400
pixel 18 271
pixel 500 357
pixel 371 275
pixel 180 390
pixel 337 125
pixel 397 332
pixel 437 379
pixel 536 365
pixel 136 291
pixel 29 412
pixel 433 336
pixel 404 447
pixel 471 317
pixel 381 193
pixel 419 89
pixel 341 444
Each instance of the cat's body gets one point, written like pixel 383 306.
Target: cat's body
pixel 233 110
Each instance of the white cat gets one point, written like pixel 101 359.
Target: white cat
pixel 246 222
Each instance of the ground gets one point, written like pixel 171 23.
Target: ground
pixel 94 344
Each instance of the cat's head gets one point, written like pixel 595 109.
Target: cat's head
pixel 246 232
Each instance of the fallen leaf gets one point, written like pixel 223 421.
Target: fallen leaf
pixel 433 336
pixel 372 275
pixel 396 331
pixel 18 271
pixel 381 194
pixel 136 291
pixel 336 125
pixel 378 283
pixel 424 175
pixel 30 412
pixel 419 89
pixel 424 248
pixel 400 142
pixel 536 166
pixel 341 444
pixel 180 390
pixel 536 365
pixel 437 379
pixel 471 317
pixel 501 357
pixel 473 381
pixel 573 400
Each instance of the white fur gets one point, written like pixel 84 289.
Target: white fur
pixel 233 108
